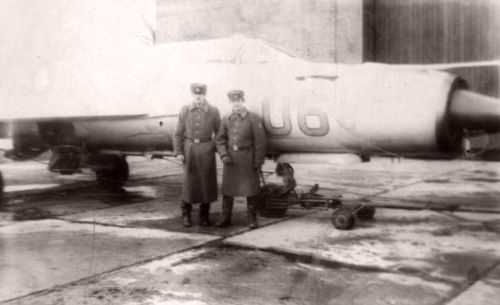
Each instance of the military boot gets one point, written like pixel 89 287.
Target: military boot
pixel 204 214
pixel 186 214
pixel 227 209
pixel 252 212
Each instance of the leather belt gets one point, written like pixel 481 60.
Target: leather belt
pixel 199 140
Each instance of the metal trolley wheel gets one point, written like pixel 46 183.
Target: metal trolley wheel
pixel 343 219
pixel 365 212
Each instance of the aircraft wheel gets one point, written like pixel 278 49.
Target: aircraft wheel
pixel 117 175
pixel 343 219
pixel 366 212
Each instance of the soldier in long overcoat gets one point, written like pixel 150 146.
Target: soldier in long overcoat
pixel 241 143
pixel 194 146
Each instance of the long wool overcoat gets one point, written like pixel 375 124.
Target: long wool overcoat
pixel 194 138
pixel 243 139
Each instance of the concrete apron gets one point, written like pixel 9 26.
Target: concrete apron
pixel 41 254
pixel 442 185
pixel 450 250
pixel 166 215
pixel 231 276
pixel 401 257
pixel 37 255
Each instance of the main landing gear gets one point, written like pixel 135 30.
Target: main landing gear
pixel 112 171
pixel 275 200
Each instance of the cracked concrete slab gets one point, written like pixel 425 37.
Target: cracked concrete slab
pixel 400 257
pixel 230 276
pixel 37 255
pixel 485 291
pixel 422 243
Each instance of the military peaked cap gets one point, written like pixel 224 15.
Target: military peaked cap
pixel 236 94
pixel 198 88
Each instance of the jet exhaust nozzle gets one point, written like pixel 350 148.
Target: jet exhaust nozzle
pixel 469 110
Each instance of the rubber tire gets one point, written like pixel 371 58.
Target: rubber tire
pixel 115 177
pixel 343 219
pixel 366 212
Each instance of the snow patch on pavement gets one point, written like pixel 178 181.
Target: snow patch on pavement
pixel 168 262
pixel 412 281
pixel 27 187
pixel 65 226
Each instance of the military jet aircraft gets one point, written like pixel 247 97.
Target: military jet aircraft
pixel 93 110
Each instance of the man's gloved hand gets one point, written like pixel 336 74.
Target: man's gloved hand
pixel 225 159
pixel 180 157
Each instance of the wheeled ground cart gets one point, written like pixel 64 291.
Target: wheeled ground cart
pixel 276 199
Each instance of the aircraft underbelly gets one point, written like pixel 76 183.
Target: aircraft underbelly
pixel 128 135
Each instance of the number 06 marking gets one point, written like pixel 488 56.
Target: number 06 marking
pixel 284 127
pixel 313 121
